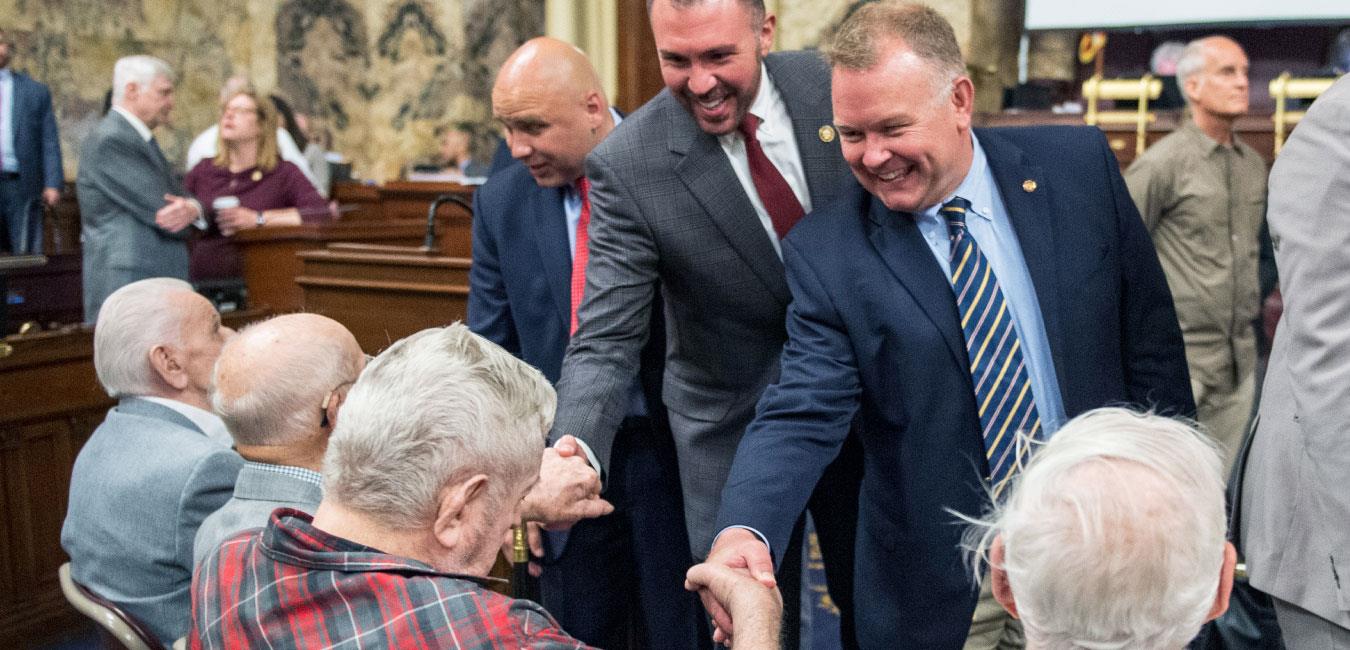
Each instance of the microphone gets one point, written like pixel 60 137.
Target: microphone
pixel 430 242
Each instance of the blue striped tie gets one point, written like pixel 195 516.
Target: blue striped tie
pixel 1002 387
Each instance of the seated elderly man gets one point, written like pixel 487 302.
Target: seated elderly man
pixel 159 463
pixel 439 442
pixel 1114 536
pixel 278 386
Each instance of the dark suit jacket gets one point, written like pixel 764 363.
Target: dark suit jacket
pixel 667 207
pixel 873 329
pixel 36 143
pixel 520 281
pixel 121 185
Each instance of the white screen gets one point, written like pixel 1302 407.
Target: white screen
pixel 1080 14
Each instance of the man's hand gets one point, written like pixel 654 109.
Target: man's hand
pixel 51 195
pixel 739 550
pixel 177 213
pixel 568 489
pixel 232 220
pixel 758 610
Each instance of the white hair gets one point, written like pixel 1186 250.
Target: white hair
pixel 281 402
pixel 436 407
pixel 140 69
pixel 1164 59
pixel 131 322
pixel 1113 535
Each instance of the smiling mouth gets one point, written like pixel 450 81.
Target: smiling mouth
pixel 894 175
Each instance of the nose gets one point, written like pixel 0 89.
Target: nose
pixel 874 154
pixel 701 81
pixel 519 146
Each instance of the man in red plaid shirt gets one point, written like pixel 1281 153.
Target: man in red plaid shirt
pixel 439 442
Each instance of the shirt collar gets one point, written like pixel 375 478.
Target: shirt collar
pixel 208 422
pixel 307 475
pixel 570 191
pixel 1205 143
pixel 136 123
pixel 6 74
pixel 767 104
pixel 974 187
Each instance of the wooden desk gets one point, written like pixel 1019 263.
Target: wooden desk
pixel 49 293
pixel 396 199
pixel 52 403
pixel 271 265
pixel 1256 130
pixel 384 293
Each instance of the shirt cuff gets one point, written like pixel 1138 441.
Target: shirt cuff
pixel 200 223
pixel 758 534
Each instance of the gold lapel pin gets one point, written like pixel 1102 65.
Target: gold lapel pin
pixel 826 133
pixel 257 175
pixel 1028 185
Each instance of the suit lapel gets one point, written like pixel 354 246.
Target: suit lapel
pixel 902 247
pixel 151 151
pixel 1032 219
pixel 712 182
pixel 808 104
pixel 550 235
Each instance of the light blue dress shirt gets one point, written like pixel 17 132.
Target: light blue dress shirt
pixel 9 162
pixel 994 233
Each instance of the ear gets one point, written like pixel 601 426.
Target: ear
pixel 1225 582
pixel 165 362
pixel 595 109
pixel 766 33
pixel 1191 89
pixel 963 100
pixel 332 403
pixel 456 511
pixel 999 578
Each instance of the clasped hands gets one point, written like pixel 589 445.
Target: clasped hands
pixel 737 586
pixel 568 491
pixel 178 213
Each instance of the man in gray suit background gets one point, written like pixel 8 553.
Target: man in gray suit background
pixel 30 155
pixel 278 386
pixel 1295 517
pixel 693 191
pixel 134 218
pixel 160 463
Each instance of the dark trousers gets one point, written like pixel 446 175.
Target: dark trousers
pixel 619 581
pixel 22 216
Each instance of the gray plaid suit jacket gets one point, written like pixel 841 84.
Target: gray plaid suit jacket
pixel 667 207
pixel 1295 518
pixel 121 183
pixel 257 492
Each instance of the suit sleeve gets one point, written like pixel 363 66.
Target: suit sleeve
pixel 52 173
pixel 801 420
pixel 208 487
pixel 125 175
pixel 1154 354
pixel 489 308
pixel 614 318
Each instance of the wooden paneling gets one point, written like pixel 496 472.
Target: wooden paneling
pixel 639 69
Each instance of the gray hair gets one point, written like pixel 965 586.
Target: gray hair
pixel 131 322
pixel 856 44
pixel 280 403
pixel 1114 533
pixel 436 407
pixel 140 69
pixel 1192 61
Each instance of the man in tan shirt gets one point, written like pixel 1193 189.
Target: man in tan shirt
pixel 1202 194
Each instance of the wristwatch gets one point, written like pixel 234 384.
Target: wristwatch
pixel 261 221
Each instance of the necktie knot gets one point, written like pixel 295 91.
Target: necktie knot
pixel 749 125
pixel 954 211
pixel 583 187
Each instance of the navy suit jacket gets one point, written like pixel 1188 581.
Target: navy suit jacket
pixel 520 282
pixel 36 143
pixel 873 329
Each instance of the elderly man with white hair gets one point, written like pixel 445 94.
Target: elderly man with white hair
pixel 439 442
pixel 1113 537
pixel 161 461
pixel 278 387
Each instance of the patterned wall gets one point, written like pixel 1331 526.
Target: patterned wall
pixel 381 74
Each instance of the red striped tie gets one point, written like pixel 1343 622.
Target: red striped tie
pixel 580 255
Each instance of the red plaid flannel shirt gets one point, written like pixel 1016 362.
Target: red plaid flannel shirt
pixel 292 585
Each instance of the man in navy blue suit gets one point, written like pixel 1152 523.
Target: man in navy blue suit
pixel 30 155
pixel 971 292
pixel 613 581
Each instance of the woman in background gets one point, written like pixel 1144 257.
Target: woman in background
pixel 247 185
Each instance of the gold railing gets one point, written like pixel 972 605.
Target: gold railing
pixel 1285 87
pixel 1141 90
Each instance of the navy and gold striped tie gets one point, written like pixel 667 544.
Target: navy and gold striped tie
pixel 1002 386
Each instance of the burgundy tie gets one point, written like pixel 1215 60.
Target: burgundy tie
pixel 580 255
pixel 774 192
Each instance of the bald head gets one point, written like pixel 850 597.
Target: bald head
pixel 1212 73
pixel 549 101
pixel 272 380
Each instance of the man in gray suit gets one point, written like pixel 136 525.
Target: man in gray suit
pixel 278 386
pixel 694 191
pixel 1295 521
pixel 134 218
pixel 160 462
